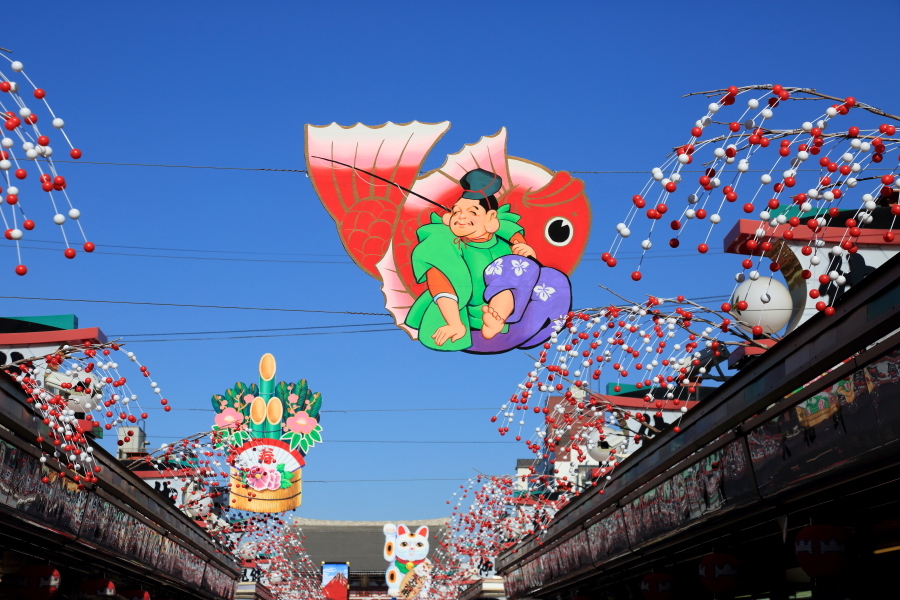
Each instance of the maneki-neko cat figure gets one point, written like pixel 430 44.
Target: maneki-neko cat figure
pixel 407 554
pixel 473 256
pixel 267 429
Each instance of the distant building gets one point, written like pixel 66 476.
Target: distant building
pixel 360 543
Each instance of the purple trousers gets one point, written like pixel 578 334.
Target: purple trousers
pixel 541 295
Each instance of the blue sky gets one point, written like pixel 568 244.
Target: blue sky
pixel 579 85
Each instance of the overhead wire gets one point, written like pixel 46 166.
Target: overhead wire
pixel 175 304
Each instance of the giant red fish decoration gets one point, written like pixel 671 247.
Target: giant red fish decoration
pixel 368 179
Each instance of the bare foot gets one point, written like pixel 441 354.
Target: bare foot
pixel 493 322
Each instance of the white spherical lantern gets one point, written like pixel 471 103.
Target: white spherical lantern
pixel 772 315
pixel 599 450
pixel 275 578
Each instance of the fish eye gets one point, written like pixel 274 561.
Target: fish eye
pixel 559 231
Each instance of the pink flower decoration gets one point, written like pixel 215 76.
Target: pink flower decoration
pixel 258 478
pixel 263 478
pixel 229 418
pixel 301 423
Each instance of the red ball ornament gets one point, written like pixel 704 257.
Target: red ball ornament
pixel 69 253
pixel 674 243
pixel 821 550
pixel 703 248
pixel 720 572
pixel 39 94
pixel 21 270
pixel 21 173
pixel 742 305
pixel 757 330
pixel 636 275
pixel 75 153
pixel 671 187
pixel 89 246
pixel 43 140
pixel 726 307
pixel 28 224
pixel 612 262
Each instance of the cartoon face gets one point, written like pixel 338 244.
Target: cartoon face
pixel 469 219
pixel 412 545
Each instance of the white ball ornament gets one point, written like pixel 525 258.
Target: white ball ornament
pixel 713 107
pixel 771 315
pixel 815 260
pixel 766 113
pixel 714 219
pixel 646 244
pixel 855 143
pixel 719 152
pixel 847 157
pixel 59 123
pixel 805 207
pixel 59 219
pixel 766 179
pixel 684 158
pixel 24 112
pixel 625 232
pixel 5 165
pixel 831 111
pixel 74 213
pixel 865 146
pixel 753 103
pixel 803 155
pixel 807 126
pixel 7 142
pixel 16 66
pixel 16 234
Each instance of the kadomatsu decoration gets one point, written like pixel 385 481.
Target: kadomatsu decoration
pixel 267 429
pixel 472 256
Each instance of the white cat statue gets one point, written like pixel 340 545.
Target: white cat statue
pixel 407 553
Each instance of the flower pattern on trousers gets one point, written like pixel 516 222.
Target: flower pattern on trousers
pixel 495 268
pixel 544 292
pixel 519 266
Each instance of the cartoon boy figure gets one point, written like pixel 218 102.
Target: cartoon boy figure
pixel 486 291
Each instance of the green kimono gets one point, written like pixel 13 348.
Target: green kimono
pixel 463 263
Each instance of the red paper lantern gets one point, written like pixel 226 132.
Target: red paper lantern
pixel 43 582
pixel 821 550
pixel 98 587
pixel 720 572
pixel 134 594
pixel 658 586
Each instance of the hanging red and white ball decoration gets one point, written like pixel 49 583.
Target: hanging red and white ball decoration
pixel 820 181
pixel 31 136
